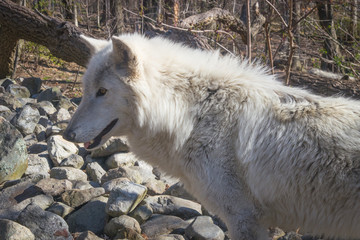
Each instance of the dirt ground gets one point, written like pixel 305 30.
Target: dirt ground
pixel 68 78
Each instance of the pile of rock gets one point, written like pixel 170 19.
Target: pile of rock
pixel 54 189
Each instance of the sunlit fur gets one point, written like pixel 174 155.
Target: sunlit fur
pixel 251 150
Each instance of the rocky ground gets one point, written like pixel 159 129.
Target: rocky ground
pixel 54 189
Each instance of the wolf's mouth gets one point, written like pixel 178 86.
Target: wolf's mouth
pixel 96 141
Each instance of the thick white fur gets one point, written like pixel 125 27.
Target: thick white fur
pixel 253 151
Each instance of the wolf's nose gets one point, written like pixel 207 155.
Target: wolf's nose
pixel 69 135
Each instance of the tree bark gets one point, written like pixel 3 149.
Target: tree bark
pixel 117 15
pixel 296 60
pixel 61 38
pixel 332 50
pixel 248 28
pixel 354 18
pixel 7 49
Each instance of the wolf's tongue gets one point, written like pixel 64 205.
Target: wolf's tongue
pixel 86 145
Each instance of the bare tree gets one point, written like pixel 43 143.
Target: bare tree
pixel 331 48
pixel 248 27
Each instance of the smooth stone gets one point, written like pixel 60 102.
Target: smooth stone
pixel 11 230
pixel 91 216
pixel 35 218
pixel 69 173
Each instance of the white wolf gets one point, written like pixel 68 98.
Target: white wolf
pixel 253 151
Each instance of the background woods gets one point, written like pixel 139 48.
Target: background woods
pixel 291 37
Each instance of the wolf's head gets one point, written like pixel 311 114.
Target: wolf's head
pixel 105 109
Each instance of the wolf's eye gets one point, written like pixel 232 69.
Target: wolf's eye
pixel 101 92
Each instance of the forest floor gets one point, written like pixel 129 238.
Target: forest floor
pixel 67 77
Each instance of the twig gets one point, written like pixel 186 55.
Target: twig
pixel 27 71
pixel 277 12
pixel 304 16
pixel 76 77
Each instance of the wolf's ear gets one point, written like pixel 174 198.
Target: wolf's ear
pixel 94 44
pixel 123 56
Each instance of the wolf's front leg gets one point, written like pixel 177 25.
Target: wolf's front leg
pixel 245 226
pixel 227 197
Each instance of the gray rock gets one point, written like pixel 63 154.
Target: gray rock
pixel 113 183
pixel 40 132
pixel 38 148
pixel 33 84
pixel 65 103
pixel 121 223
pixel 51 94
pixel 90 217
pixel 165 204
pixel 13 211
pixel 170 237
pixel 26 119
pixel 60 209
pixel 59 149
pixel 155 187
pixel 142 213
pixel 46 108
pixel 178 190
pixel 54 187
pixel 18 91
pixel 145 170
pixel 95 171
pixel 30 139
pixel 53 130
pixel 13 156
pixel 87 235
pixel 61 118
pixel 35 178
pixel 68 173
pixel 10 101
pixel 11 230
pixel 74 160
pixel 122 172
pixel 120 160
pixel 203 228
pixel 113 145
pixel 39 164
pixel 75 198
pixel 159 225
pixel 35 218
pixel 128 233
pixel 6 113
pixel 5 82
pixel 45 122
pixel 27 101
pixel 82 185
pixel 8 195
pixel 125 198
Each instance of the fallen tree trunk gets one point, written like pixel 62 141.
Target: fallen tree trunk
pixel 227 19
pixel 61 38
